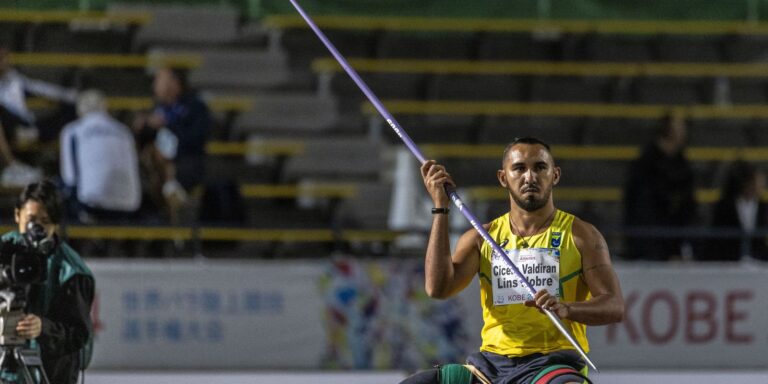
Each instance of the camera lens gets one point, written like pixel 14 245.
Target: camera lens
pixel 36 230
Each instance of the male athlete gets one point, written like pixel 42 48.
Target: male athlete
pixel 564 258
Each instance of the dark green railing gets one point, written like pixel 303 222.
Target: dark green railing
pixel 524 9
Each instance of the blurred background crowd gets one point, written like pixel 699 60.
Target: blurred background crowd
pixel 223 129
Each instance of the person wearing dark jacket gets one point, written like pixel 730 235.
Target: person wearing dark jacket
pixel 57 317
pixel 178 128
pixel 659 195
pixel 739 211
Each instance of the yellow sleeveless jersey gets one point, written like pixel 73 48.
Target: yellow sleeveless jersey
pixel 550 261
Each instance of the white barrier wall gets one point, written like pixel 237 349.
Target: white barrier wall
pixel 685 316
pixel 194 315
pixel 364 314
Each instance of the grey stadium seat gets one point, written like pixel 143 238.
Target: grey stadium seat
pixel 184 24
pixel 360 212
pixel 616 131
pixel 593 173
pixel 686 91
pixel 748 91
pixel 426 45
pixel 553 130
pixel 304 46
pixel 689 49
pixel 335 158
pixel 477 87
pixel 615 48
pixel 741 48
pixel 240 69
pixel 287 113
pixel 518 46
pixel 715 133
pixel 384 85
pixel 570 89
pixel 64 38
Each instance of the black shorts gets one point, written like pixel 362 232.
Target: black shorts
pixel 521 370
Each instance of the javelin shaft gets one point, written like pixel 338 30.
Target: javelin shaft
pixel 361 84
pixel 448 190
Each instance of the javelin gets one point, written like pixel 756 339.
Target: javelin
pixel 451 191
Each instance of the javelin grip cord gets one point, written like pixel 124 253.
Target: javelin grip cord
pixel 449 190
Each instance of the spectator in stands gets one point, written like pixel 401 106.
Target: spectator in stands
pixel 659 194
pixel 739 210
pixel 58 311
pixel 99 164
pixel 17 121
pixel 173 136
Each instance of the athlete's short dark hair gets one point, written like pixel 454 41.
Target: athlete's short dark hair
pixel 524 140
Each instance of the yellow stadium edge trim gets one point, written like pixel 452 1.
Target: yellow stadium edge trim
pixel 256 148
pixel 223 103
pixel 129 233
pixel 595 152
pixel 463 151
pixel 333 190
pixel 594 194
pixel 493 151
pixel 349 190
pixel 244 234
pixel 223 234
pixel 188 61
pixel 38 16
pixel 481 193
pixel 226 234
pixel 488 108
pixel 471 67
pixel 624 27
pixel 564 109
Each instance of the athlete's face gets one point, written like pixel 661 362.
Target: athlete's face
pixel 529 174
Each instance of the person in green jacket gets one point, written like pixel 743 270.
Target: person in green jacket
pixel 57 315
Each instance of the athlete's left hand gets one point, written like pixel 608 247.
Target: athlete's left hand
pixel 29 327
pixel 544 300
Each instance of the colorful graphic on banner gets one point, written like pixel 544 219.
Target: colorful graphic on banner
pixel 378 316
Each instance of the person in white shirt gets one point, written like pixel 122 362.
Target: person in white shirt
pixel 15 117
pixel 99 164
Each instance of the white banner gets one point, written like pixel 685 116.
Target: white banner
pixel 365 314
pixel 688 316
pixel 207 315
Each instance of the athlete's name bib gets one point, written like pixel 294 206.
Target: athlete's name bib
pixel 540 266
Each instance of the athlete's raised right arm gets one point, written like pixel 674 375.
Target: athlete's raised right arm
pixel 446 274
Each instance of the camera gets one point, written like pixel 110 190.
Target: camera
pixel 22 263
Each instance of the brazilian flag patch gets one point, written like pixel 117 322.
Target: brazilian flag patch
pixel 556 237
